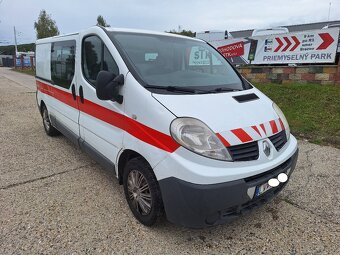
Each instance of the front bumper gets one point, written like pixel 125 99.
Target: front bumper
pixel 201 205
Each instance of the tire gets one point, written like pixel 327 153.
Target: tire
pixel 49 129
pixel 141 189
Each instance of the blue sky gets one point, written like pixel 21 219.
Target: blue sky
pixel 196 15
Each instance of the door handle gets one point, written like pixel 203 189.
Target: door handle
pixel 81 94
pixel 74 92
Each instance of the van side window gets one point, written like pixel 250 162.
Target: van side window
pixel 63 63
pixel 95 58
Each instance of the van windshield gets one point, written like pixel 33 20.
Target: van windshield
pixel 167 61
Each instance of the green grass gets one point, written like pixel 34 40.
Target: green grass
pixel 26 71
pixel 312 110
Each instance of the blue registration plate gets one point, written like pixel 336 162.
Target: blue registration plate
pixel 262 189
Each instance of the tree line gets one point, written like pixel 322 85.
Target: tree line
pixel 45 26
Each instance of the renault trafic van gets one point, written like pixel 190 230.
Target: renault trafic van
pixel 181 129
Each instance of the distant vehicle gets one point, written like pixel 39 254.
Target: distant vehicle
pixel 270 31
pixel 213 35
pixel 331 26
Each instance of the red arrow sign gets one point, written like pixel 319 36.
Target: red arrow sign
pixel 280 44
pixel 327 40
pixel 296 41
pixel 288 43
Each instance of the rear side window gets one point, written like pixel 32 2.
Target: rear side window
pixel 95 58
pixel 63 63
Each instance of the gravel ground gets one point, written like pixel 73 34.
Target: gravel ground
pixel 55 200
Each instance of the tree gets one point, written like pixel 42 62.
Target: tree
pixel 183 32
pixel 45 26
pixel 101 21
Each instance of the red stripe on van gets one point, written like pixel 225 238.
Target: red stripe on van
pixel 257 130
pixel 263 128
pixel 242 135
pixel 137 129
pixel 223 140
pixel 281 124
pixel 59 94
pixel 134 128
pixel 273 126
pixel 44 88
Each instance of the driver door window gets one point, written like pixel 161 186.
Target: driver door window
pixel 95 58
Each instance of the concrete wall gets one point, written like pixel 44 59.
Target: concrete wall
pixel 322 74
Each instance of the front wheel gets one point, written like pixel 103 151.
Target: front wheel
pixel 142 191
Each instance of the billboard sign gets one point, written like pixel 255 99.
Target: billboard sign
pixel 314 46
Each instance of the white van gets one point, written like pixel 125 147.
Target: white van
pixel 270 31
pixel 191 139
pixel 213 35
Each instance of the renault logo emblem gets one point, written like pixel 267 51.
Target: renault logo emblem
pixel 266 148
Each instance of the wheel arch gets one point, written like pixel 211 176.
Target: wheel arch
pixel 124 157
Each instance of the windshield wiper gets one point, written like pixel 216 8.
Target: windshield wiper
pixel 221 89
pixel 173 88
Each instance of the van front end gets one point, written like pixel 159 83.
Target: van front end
pixel 203 192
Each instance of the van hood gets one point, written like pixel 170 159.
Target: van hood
pixel 237 121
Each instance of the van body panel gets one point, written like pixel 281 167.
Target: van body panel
pixel 59 100
pixel 140 106
pixel 95 131
pixel 221 112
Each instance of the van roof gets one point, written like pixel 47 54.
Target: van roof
pixel 112 29
pixel 51 39
pixel 143 31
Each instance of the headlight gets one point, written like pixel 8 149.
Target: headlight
pixel 197 137
pixel 283 118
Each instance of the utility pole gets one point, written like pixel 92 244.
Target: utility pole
pixel 329 10
pixel 0 3
pixel 15 41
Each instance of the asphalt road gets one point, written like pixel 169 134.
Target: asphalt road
pixel 55 200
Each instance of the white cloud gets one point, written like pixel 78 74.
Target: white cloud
pixel 158 15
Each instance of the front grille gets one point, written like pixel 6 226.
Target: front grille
pixel 244 152
pixel 279 140
pixel 270 173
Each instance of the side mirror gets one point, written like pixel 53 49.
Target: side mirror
pixel 107 86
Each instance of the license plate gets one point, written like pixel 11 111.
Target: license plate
pixel 262 189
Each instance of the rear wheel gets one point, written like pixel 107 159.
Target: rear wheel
pixel 142 191
pixel 49 129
